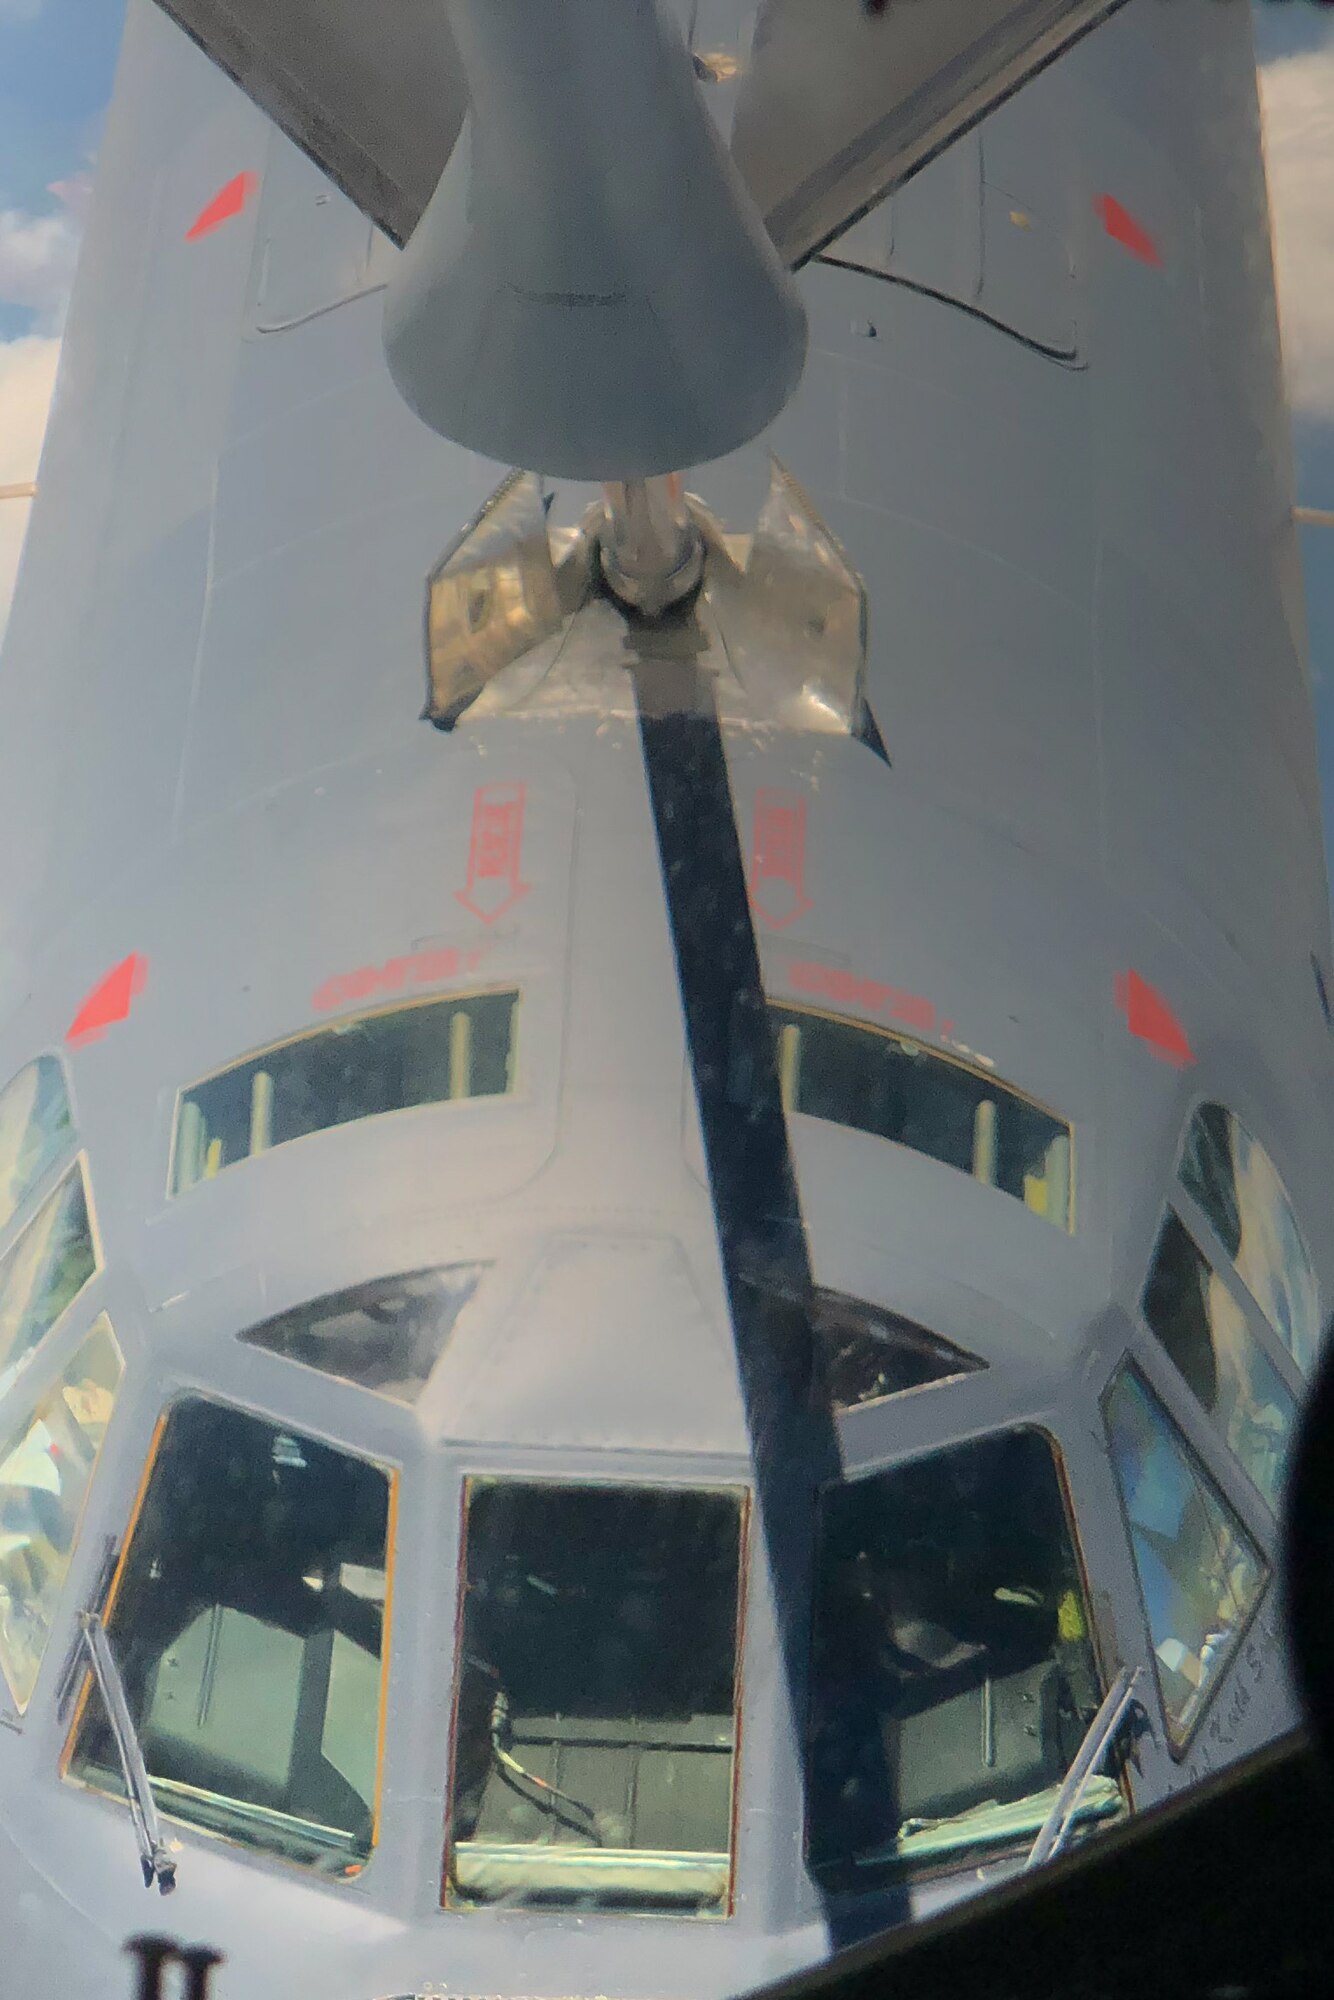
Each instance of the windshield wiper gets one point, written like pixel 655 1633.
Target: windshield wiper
pixel 1097 1740
pixel 154 1859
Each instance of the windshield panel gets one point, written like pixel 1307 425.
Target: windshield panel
pixel 1204 1330
pixel 44 1473
pixel 35 1129
pixel 248 1626
pixel 428 1052
pixel 953 1673
pixel 1238 1187
pixel 43 1272
pixel 1200 1574
pixel 595 1725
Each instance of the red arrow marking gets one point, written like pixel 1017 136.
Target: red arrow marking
pixel 110 1001
pixel 1122 227
pixel 778 858
pixel 1151 1020
pixel 495 852
pixel 226 203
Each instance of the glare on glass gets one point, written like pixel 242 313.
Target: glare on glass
pixel 43 1272
pixel 1200 1574
pixel 44 1473
pixel 35 1129
pixel 1206 1333
pixel 1244 1200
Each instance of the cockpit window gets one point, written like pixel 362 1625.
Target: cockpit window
pixel 385 1335
pixel 595 1727
pixel 1238 1187
pixel 1205 1332
pixel 43 1272
pixel 429 1052
pixel 45 1468
pixel 897 1088
pixel 1199 1571
pixel 867 1353
pixel 248 1624
pixel 953 1673
pixel 35 1129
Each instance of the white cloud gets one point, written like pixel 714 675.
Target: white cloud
pixel 1297 100
pixel 37 258
pixel 27 377
pixel 20 10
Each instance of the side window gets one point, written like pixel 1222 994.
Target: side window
pixel 43 1272
pixel 897 1088
pixel 1200 1574
pixel 953 1677
pixel 45 1468
pixel 593 1753
pixel 248 1625
pixel 430 1052
pixel 1194 1315
pixel 35 1129
pixel 1238 1187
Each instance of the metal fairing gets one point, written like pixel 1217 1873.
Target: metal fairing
pixel 1085 655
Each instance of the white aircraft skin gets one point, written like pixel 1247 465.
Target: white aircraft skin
pixel 1069 847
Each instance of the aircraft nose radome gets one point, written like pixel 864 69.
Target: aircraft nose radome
pixel 591 292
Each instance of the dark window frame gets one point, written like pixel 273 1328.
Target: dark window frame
pixel 392 1469
pixel 912 1871
pixel 584 1481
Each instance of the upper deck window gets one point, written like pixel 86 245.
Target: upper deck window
pixel 385 1335
pixel 35 1129
pixel 43 1272
pixel 44 1473
pixel 597 1689
pixel 878 1081
pixel 1199 1571
pixel 1204 1330
pixel 428 1052
pixel 1238 1187
pixel 953 1674
pixel 248 1625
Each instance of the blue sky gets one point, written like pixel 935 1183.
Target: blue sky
pixel 57 59
pixel 56 63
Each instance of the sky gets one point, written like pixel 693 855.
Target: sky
pixel 57 59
